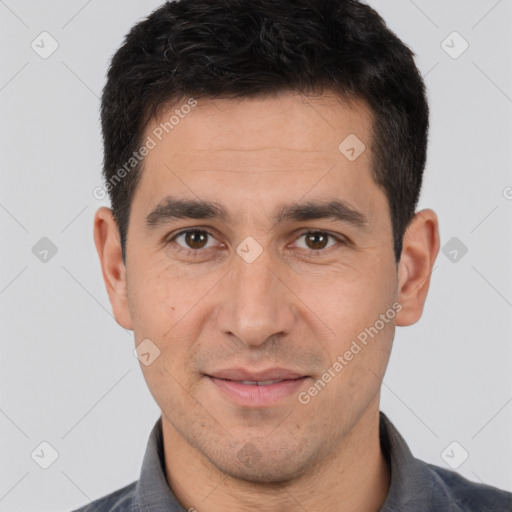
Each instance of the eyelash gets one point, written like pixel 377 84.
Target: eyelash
pixel 200 252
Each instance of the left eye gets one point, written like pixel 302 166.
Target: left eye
pixel 317 240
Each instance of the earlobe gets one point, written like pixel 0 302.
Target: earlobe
pixel 419 252
pixel 108 246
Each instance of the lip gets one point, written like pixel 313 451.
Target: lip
pixel 240 374
pixel 229 384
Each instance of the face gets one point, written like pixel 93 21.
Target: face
pixel 259 251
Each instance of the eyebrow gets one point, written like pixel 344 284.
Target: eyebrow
pixel 171 208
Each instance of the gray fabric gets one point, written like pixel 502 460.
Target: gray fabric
pixel 415 485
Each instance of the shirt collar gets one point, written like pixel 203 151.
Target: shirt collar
pixel 410 488
pixel 153 493
pixel 411 480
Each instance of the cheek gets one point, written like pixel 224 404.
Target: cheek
pixel 366 322
pixel 350 298
pixel 157 297
pixel 167 309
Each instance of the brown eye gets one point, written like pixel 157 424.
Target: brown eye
pixel 316 240
pixel 194 239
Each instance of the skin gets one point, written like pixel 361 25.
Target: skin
pixel 298 306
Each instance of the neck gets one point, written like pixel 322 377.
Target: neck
pixel 354 478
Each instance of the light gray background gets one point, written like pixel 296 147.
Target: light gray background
pixel 68 374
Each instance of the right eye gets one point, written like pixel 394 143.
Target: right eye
pixel 193 241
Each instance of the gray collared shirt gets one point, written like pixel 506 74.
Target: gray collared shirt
pixel 415 485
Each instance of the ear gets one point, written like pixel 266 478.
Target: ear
pixel 419 252
pixel 108 245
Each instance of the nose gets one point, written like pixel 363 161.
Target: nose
pixel 255 301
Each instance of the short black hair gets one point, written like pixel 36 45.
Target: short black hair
pixel 248 48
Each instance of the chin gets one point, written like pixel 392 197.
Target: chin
pixel 263 473
pixel 260 466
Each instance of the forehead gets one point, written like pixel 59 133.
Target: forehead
pixel 289 121
pixel 288 144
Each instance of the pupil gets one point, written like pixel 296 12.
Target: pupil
pixel 195 239
pixel 317 238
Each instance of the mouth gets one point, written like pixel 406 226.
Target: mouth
pixel 259 383
pixel 260 389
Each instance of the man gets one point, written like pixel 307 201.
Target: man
pixel 264 160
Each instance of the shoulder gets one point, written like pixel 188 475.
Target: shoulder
pixel 122 500
pixel 467 496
